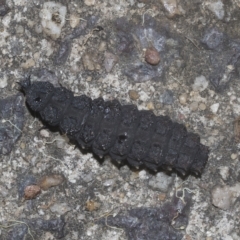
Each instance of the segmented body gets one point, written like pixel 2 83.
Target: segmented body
pixel 123 132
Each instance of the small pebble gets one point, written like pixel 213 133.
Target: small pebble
pixel 47 182
pixel 36 56
pixel 92 205
pixel 202 106
pixel 194 106
pixel 225 197
pixel 183 98
pixel 221 197
pixel 224 172
pixel 87 177
pixel 217 8
pixel 167 97
pixel 61 143
pixel 88 62
pixel 234 156
pixel 161 181
pixel 214 107
pixel 22 145
pixel 89 79
pixel 44 133
pixel 74 20
pixel 175 85
pixel 53 18
pixel 133 94
pixel 152 56
pixel 150 106
pixel 19 29
pixel 200 84
pixel 172 8
pixel 60 208
pixel 108 182
pixel 102 46
pixel 3 81
pixel 28 64
pixel 31 192
pixel 110 61
pixel 162 196
pixel 89 2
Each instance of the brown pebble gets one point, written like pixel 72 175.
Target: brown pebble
pixel 133 94
pixel 152 56
pixel 162 196
pixel 50 181
pixel 31 191
pixel 92 205
pixel 150 106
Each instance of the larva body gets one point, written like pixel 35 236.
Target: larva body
pixel 123 132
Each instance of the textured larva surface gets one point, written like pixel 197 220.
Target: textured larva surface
pixel 123 132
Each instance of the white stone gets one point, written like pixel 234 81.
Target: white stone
pixel 161 182
pixel 172 7
pixel 234 156
pixel 200 84
pixel 44 133
pixel 6 20
pixel 89 2
pixel 143 175
pixel 183 98
pixel 108 182
pixel 74 20
pixel 60 208
pixel 225 197
pixel 221 197
pixel 224 172
pixel 214 107
pixel 216 7
pixel 3 81
pixel 53 17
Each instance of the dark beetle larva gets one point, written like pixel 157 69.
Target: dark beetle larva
pixel 123 132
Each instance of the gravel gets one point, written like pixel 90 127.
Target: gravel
pixel 97 48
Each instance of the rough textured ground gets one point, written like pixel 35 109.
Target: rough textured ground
pixel 100 51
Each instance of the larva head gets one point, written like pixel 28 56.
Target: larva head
pixel 37 94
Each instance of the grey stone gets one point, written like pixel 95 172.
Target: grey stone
pixel 167 97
